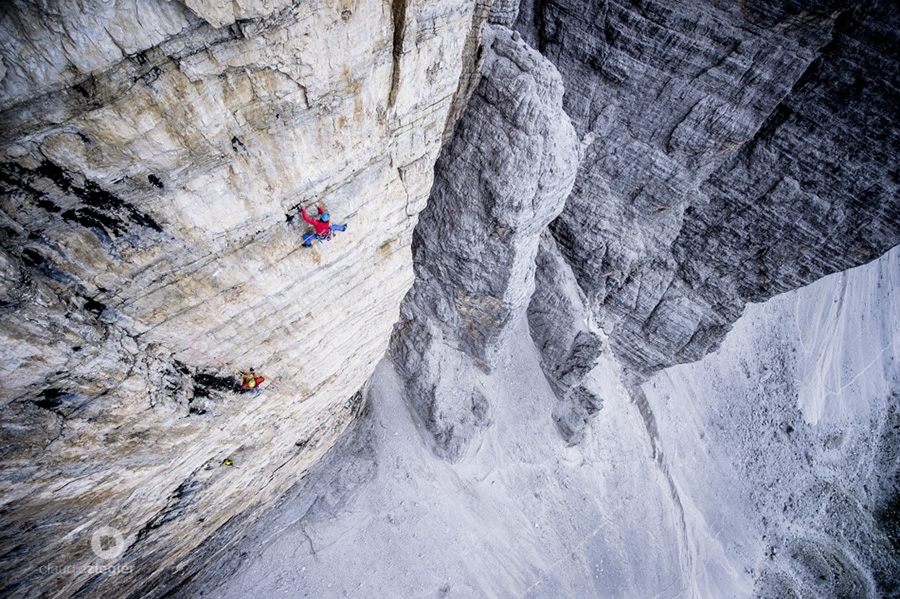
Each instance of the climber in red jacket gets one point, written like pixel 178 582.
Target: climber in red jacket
pixel 322 225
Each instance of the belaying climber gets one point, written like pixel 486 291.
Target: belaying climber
pixel 322 225
pixel 251 380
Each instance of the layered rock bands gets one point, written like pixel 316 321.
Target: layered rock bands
pixel 688 158
pixel 732 151
pixel 153 158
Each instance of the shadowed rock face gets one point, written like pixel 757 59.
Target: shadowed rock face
pixel 732 152
pixel 500 181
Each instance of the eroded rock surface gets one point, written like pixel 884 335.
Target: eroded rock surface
pixel 562 330
pixel 151 167
pixel 732 152
pixel 500 181
pixel 152 160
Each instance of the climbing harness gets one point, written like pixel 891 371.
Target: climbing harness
pixel 309 237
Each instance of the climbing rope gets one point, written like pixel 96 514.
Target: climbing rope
pixel 238 290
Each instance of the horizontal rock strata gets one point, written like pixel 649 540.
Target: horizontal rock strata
pixel 151 252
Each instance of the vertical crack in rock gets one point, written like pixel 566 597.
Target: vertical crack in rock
pixel 398 14
pixel 473 62
pixel 500 180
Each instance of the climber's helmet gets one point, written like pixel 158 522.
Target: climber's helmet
pixel 325 217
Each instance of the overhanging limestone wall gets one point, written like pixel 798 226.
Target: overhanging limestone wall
pixel 150 251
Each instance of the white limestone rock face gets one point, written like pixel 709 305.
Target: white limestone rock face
pixel 150 252
pixel 50 45
pixel 225 12
pixel 500 181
